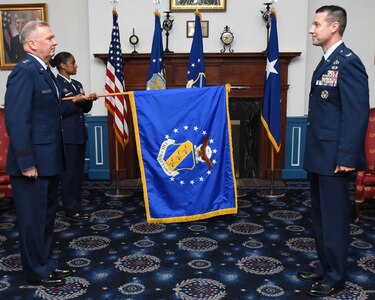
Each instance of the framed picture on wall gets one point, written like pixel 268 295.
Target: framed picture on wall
pixel 190 5
pixel 13 18
pixel 190 29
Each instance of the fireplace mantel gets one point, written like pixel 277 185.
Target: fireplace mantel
pixel 244 71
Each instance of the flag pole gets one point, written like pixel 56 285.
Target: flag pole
pixel 271 193
pixel 117 192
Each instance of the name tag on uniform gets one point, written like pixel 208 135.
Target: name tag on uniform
pixel 46 91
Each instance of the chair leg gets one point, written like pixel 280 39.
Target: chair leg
pixel 356 209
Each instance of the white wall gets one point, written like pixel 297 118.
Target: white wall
pixel 358 36
pixel 68 20
pixel 83 27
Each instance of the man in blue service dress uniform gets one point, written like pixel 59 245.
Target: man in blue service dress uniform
pixel 336 129
pixel 35 155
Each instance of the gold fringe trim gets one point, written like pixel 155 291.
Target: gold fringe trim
pixel 197 13
pixel 270 136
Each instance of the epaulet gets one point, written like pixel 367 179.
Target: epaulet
pixel 347 53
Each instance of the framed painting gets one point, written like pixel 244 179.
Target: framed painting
pixel 13 18
pixel 204 5
pixel 190 29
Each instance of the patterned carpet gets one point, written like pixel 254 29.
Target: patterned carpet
pixel 252 255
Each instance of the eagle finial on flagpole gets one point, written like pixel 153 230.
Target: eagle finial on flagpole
pixel 156 4
pixel 114 3
pixel 197 4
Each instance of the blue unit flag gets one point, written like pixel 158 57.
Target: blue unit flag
pixel 196 76
pixel 184 148
pixel 271 112
pixel 155 78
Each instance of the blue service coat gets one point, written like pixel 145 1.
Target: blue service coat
pixel 73 121
pixel 33 120
pixel 338 114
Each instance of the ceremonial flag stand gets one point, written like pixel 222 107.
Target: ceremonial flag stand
pixel 272 49
pixel 271 193
pixel 116 192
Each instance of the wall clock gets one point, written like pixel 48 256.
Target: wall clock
pixel 133 39
pixel 227 38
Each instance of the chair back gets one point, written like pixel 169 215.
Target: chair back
pixel 4 141
pixel 370 142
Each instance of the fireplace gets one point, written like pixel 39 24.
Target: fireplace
pixel 245 73
pixel 245 120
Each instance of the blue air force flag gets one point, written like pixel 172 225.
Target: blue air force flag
pixel 155 78
pixel 196 76
pixel 271 112
pixel 184 148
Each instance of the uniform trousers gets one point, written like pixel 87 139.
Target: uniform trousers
pixel 35 203
pixel 331 225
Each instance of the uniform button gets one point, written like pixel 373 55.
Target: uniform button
pixel 310 94
pixel 308 123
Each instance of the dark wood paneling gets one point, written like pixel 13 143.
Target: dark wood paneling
pixel 244 71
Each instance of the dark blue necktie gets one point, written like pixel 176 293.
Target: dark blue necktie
pixel 50 74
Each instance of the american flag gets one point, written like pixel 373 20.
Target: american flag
pixel 115 83
pixel 7 33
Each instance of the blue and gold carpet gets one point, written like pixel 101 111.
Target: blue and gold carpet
pixel 255 254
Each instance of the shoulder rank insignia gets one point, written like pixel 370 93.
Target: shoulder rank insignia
pixel 26 61
pixel 349 54
pixel 324 94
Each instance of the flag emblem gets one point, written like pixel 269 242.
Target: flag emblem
pixel 184 148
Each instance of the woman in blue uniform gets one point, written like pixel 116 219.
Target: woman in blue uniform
pixel 74 134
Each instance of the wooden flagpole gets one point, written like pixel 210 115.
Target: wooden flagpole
pixel 101 95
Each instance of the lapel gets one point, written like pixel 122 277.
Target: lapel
pixel 43 72
pixel 324 66
pixel 68 87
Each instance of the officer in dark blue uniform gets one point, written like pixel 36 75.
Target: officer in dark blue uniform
pixel 336 129
pixel 74 132
pixel 35 154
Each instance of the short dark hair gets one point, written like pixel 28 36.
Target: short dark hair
pixel 335 14
pixel 60 58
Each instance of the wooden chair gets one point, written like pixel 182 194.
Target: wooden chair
pixel 365 180
pixel 5 187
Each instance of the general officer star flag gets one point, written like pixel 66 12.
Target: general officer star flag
pixel 271 112
pixel 185 154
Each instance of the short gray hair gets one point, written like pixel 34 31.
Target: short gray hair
pixel 29 28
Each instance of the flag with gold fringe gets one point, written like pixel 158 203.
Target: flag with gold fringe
pixel 185 155
pixel 271 112
pixel 196 76
pixel 155 77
